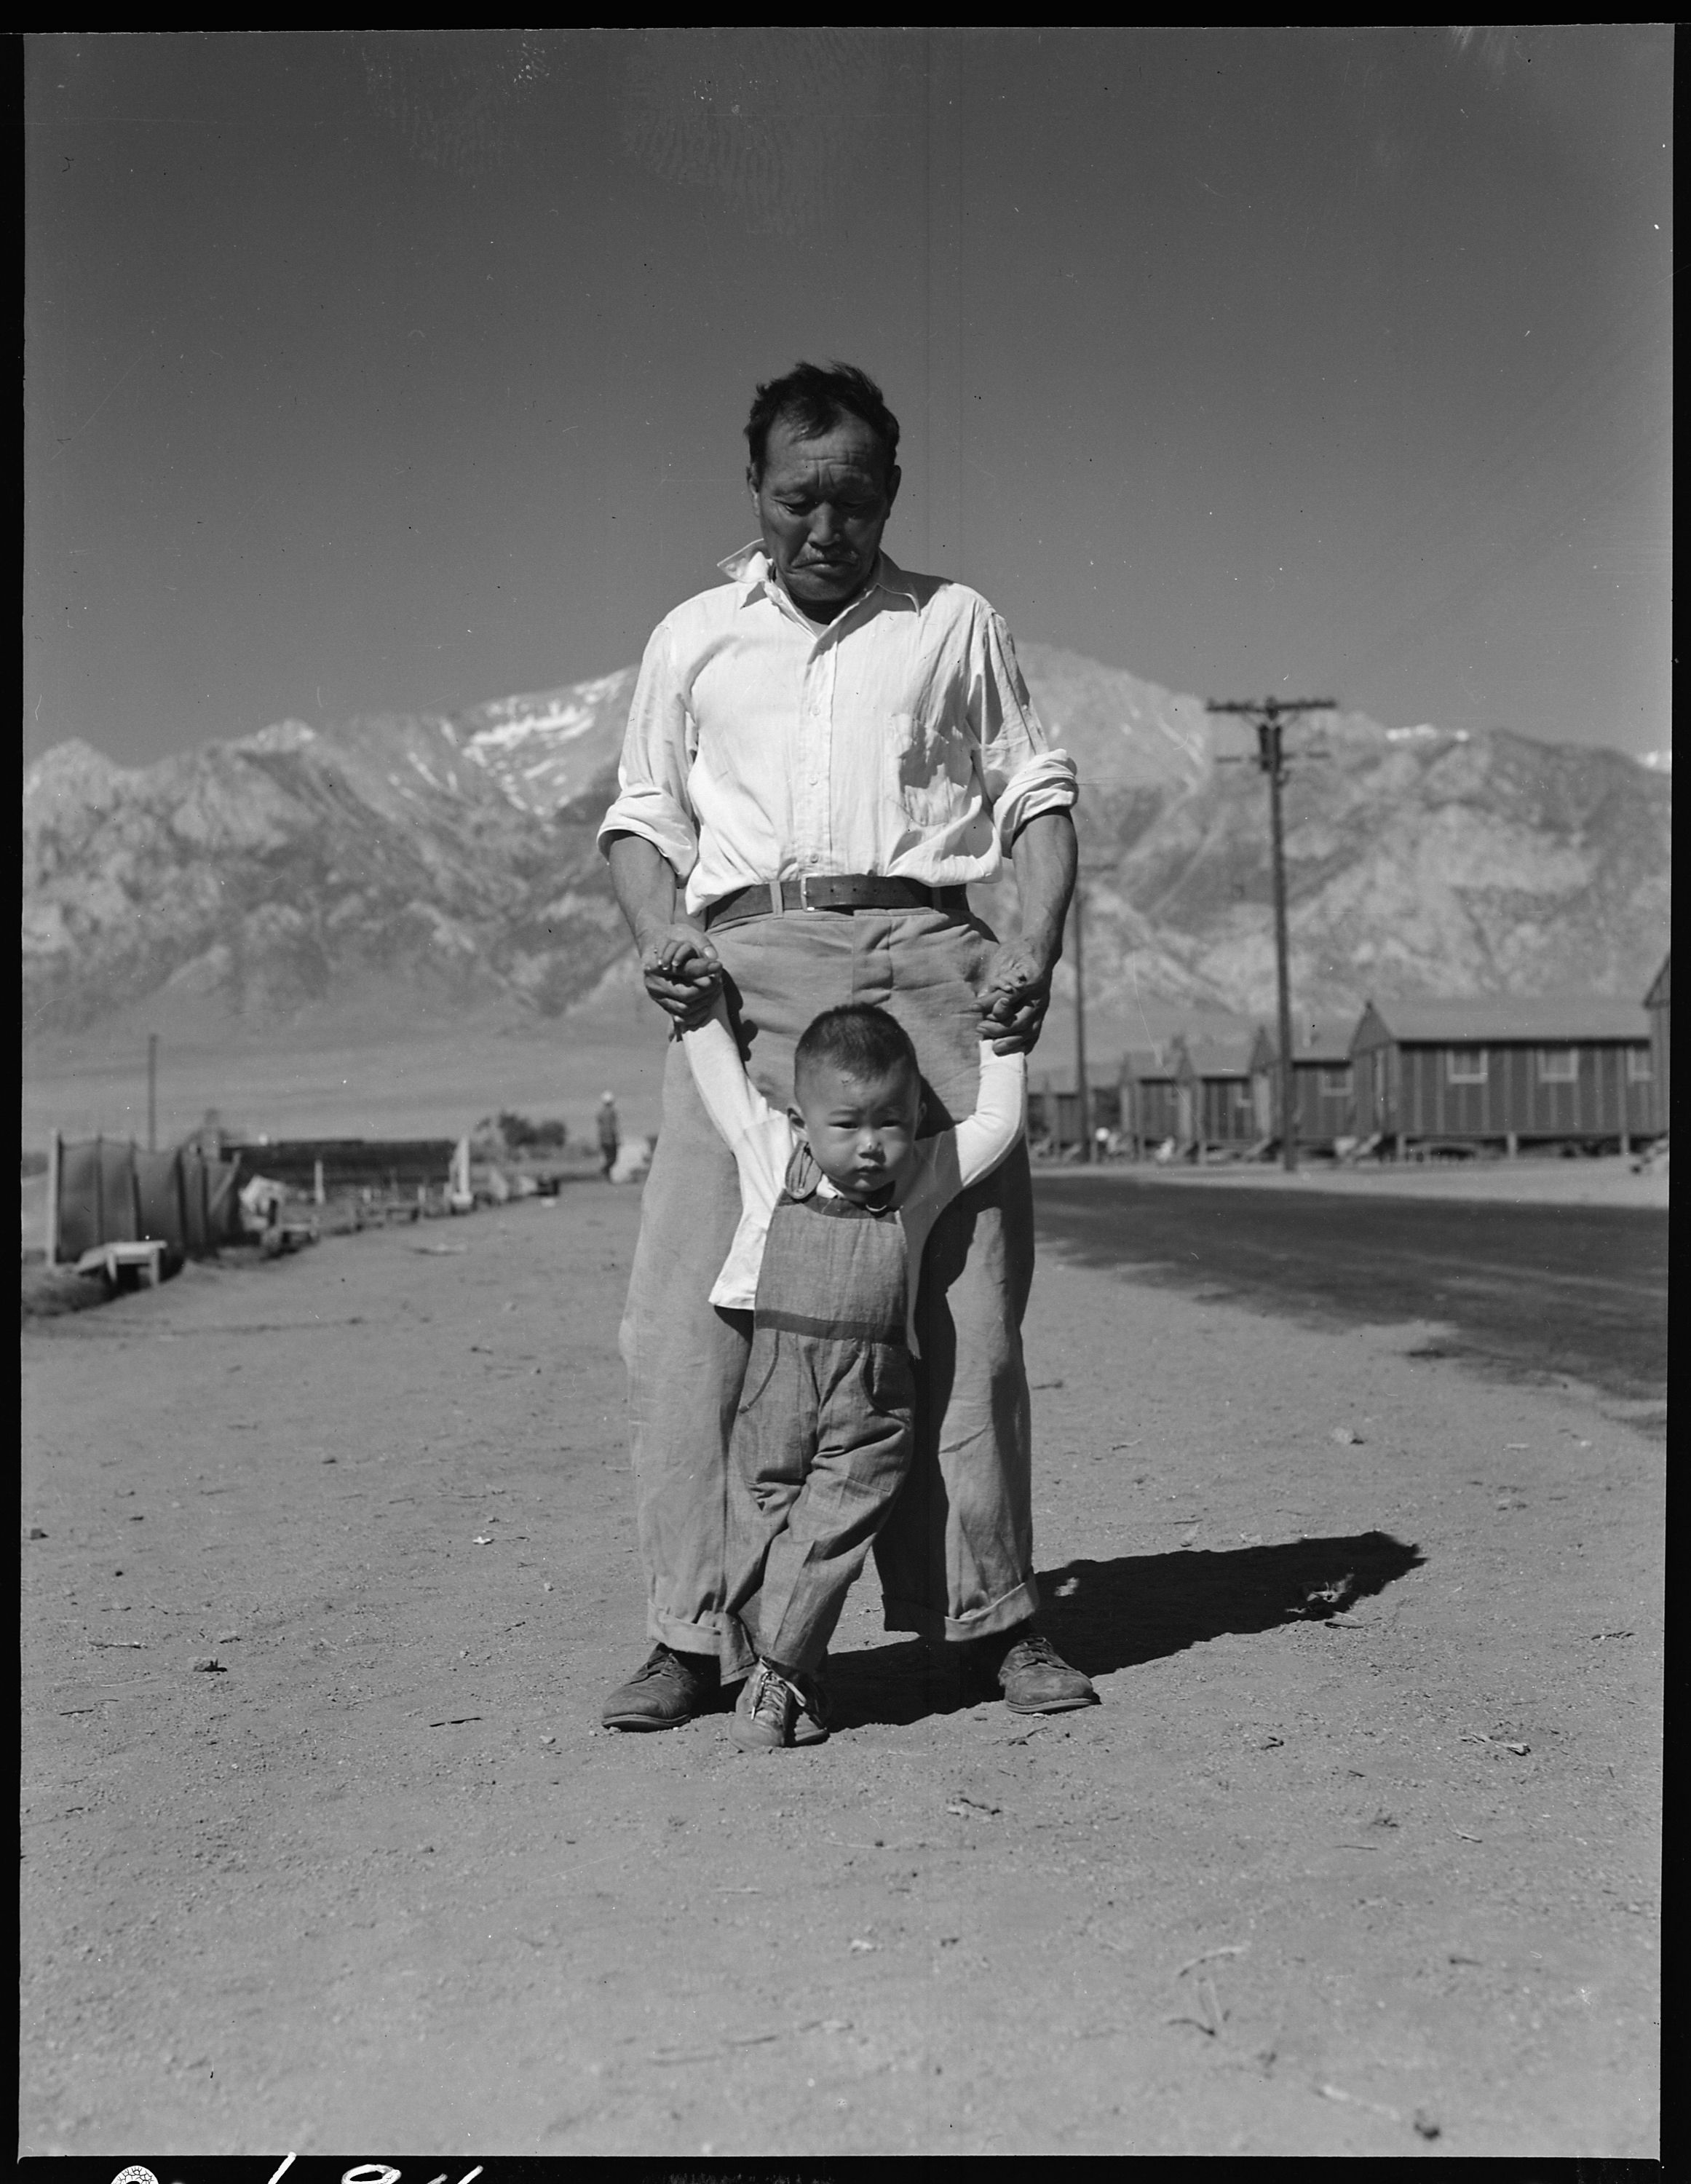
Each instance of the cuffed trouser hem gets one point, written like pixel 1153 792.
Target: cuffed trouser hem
pixel 738 1655
pixel 721 1637
pixel 1004 1614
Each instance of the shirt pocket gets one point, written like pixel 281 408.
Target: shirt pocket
pixel 933 768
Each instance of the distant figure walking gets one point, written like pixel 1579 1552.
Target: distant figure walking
pixel 609 1138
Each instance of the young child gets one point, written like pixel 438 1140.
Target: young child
pixel 838 1196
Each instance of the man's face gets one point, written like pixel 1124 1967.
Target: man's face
pixel 822 505
pixel 862 1131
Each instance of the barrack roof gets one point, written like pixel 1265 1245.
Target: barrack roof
pixel 1542 1020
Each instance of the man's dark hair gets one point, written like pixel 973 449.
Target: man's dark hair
pixel 815 400
pixel 859 1040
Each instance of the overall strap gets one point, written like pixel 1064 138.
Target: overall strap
pixel 803 1173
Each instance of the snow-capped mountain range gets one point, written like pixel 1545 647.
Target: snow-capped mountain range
pixel 403 864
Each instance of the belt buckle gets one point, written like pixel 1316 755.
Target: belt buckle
pixel 803 891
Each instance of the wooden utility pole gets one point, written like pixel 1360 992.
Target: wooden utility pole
pixel 1083 1089
pixel 153 1091
pixel 55 1157
pixel 1084 867
pixel 1268 715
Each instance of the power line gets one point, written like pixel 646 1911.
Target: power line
pixel 1269 717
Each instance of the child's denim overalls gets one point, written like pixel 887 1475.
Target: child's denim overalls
pixel 823 1438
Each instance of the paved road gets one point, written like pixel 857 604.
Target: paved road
pixel 1576 1289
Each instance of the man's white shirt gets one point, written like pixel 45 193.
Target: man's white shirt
pixel 899 740
pixel 762 1140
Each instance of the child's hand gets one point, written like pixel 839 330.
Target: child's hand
pixel 1014 999
pixel 687 958
pixel 683 973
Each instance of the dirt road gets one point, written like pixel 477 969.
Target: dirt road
pixel 1386 1883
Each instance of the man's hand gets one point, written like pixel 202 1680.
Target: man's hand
pixel 683 973
pixel 1015 997
pixel 1018 989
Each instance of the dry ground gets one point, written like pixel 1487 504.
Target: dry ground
pixel 1382 1884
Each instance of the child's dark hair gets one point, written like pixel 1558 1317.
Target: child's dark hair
pixel 859 1040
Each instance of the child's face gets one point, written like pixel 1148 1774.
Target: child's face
pixel 862 1131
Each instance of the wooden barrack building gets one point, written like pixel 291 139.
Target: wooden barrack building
pixel 1656 1004
pixel 1150 1100
pixel 1501 1072
pixel 1054 1110
pixel 1323 1088
pixel 1225 1091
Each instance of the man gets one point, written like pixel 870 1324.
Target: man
pixel 609 1140
pixel 822 755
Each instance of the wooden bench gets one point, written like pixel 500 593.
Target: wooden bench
pixel 287 1236
pixel 111 1259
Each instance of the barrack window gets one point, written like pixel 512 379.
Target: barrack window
pixel 1466 1065
pixel 1559 1064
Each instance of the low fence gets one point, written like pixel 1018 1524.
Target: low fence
pixel 311 1164
pixel 108 1190
pixel 105 1191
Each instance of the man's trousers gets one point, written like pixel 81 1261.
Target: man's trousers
pixel 955 1557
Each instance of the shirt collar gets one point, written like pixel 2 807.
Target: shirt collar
pixel 748 566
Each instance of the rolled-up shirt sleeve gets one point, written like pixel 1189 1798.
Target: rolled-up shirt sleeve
pixel 1021 771
pixel 651 797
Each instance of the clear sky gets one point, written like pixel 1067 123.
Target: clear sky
pixel 392 370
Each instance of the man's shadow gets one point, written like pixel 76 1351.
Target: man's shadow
pixel 1102 1615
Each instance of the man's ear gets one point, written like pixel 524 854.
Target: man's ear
pixel 894 479
pixel 751 482
pixel 795 1115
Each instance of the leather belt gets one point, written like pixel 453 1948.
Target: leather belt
pixel 838 891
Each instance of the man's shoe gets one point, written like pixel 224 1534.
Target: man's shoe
pixel 1035 1678
pixel 666 1690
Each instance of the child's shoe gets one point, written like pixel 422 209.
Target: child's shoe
pixel 775 1713
pixel 763 1711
